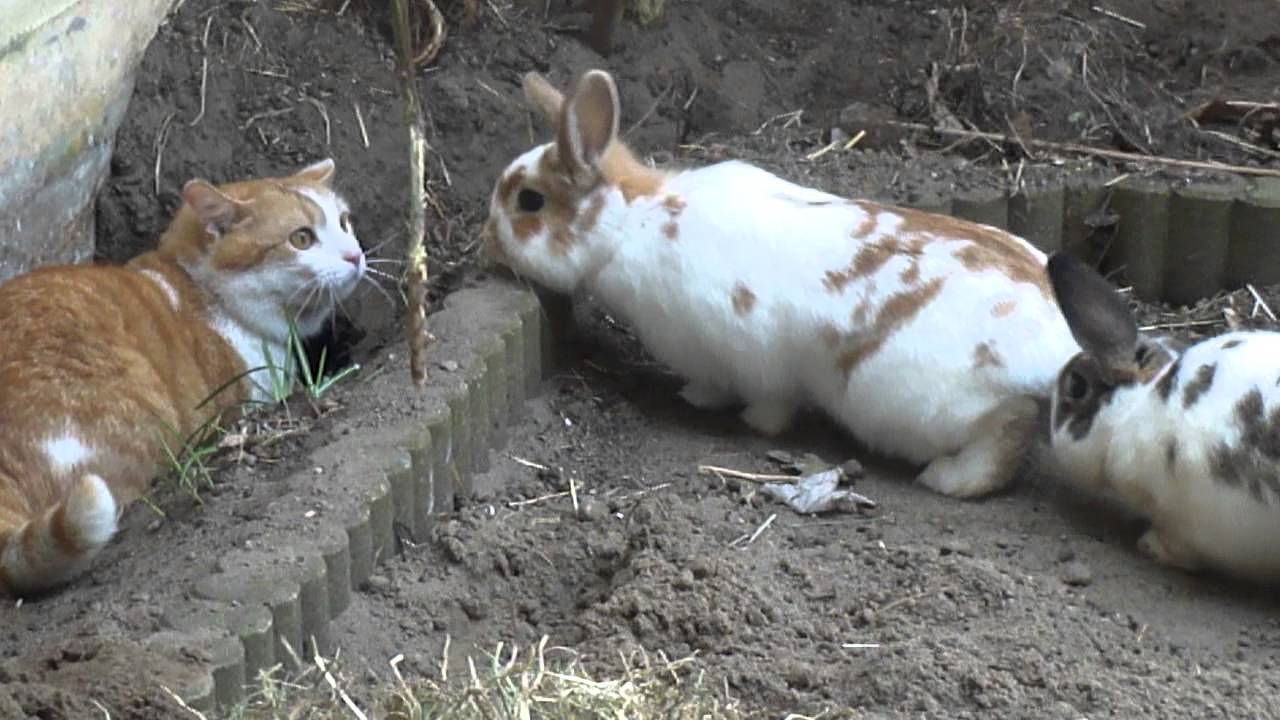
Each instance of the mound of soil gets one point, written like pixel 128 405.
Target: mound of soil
pixel 1020 605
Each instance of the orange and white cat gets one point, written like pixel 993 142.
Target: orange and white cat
pixel 100 366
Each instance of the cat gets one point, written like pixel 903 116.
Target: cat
pixel 101 366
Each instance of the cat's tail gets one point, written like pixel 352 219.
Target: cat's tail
pixel 55 546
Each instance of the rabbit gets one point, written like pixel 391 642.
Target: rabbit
pixel 1186 436
pixel 929 338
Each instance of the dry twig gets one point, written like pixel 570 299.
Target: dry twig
pixel 722 472
pixel 415 278
pixel 1089 150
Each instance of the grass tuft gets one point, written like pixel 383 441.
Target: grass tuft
pixel 508 684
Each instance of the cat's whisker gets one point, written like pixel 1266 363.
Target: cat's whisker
pixel 382 243
pixel 384 261
pixel 315 286
pixel 380 289
pixel 382 274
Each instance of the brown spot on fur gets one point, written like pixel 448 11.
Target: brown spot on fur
pixel 1251 463
pixel 743 299
pixel 868 224
pixel 1199 384
pixel 1078 413
pixel 510 185
pixel 870 258
pixel 1169 380
pixel 674 205
pixel 1231 343
pixel 898 310
pixel 587 221
pixel 860 312
pixel 911 274
pixel 525 227
pixel 985 356
pixel 1003 308
pixel 670 230
pixel 830 335
pixel 988 248
pixel 619 167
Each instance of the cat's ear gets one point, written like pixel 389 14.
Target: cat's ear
pixel 317 173
pixel 215 209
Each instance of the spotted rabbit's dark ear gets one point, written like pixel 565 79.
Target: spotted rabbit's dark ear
pixel 1099 318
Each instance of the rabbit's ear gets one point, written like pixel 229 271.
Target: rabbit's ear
pixel 1099 318
pixel 589 123
pixel 543 97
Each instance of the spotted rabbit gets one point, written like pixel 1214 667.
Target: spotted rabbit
pixel 928 337
pixel 1189 438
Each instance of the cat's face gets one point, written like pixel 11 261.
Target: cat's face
pixel 277 248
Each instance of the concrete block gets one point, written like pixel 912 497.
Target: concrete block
pixel 1199 235
pixel 1037 215
pixel 1139 246
pixel 988 207
pixel 1254 253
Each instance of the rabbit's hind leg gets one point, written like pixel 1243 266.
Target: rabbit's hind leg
pixel 991 458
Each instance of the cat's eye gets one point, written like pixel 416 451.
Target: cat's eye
pixel 345 222
pixel 302 238
pixel 530 200
pixel 1141 355
pixel 1076 386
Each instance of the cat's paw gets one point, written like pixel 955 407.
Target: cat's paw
pixel 769 417
pixel 706 396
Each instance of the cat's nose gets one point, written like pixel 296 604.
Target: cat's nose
pixel 353 256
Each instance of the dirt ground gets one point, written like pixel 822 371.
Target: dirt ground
pixel 1029 604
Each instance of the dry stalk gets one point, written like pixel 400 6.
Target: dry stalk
pixel 1076 148
pixel 415 278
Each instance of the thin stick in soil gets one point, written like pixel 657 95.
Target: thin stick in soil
pixel 604 23
pixel 1089 150
pixel 723 472
pixel 418 337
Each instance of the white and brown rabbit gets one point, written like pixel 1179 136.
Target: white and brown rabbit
pixel 928 337
pixel 1190 438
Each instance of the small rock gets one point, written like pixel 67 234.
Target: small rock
pixel 702 568
pixel 590 510
pixel 959 546
pixel 782 457
pixel 683 581
pixel 1066 554
pixel 454 549
pixel 809 464
pixel 378 582
pixel 449 365
pixel 1077 574
pixel 473 608
pixel 852 469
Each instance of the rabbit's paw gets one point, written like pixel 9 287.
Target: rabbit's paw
pixel 1168 551
pixel 769 417
pixel 706 396
pixel 990 461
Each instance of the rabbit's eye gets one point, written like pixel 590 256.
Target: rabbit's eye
pixel 1076 386
pixel 530 201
